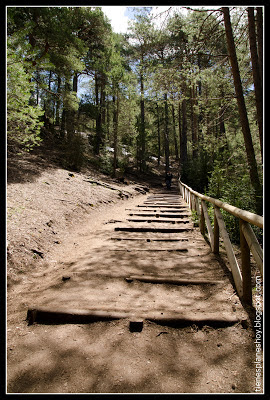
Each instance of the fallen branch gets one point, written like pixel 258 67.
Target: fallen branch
pixel 107 186
pixel 68 201
pixel 77 204
pixel 101 184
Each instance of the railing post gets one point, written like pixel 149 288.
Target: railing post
pixel 236 272
pixel 216 233
pixel 254 245
pixel 208 225
pixel 202 220
pixel 248 241
pixel 246 269
pixel 192 202
pixel 197 206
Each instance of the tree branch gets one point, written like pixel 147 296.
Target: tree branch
pixel 46 90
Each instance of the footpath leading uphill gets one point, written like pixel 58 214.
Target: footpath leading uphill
pixel 143 306
pixel 152 244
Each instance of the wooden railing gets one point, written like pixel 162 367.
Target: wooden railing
pixel 248 240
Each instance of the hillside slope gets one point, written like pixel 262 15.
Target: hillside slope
pixel 46 202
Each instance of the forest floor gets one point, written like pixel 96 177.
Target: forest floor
pixel 52 217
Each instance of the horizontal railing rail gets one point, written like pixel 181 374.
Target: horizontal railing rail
pixel 248 240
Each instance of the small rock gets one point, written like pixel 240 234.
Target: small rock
pixel 233 386
pixel 39 253
pixel 65 278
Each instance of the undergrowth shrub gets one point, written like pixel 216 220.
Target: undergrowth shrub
pixel 74 156
pixel 231 184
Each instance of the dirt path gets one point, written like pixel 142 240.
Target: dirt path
pixel 106 356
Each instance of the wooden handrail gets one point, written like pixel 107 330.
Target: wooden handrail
pixel 248 240
pixel 237 212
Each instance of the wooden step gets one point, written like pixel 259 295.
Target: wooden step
pixel 182 250
pixel 163 203
pixel 61 315
pixel 164 221
pixel 176 207
pixel 172 280
pixel 150 239
pixel 161 211
pixel 159 215
pixel 151 229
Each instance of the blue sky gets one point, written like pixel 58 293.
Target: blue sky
pixel 120 15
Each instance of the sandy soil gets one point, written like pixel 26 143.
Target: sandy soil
pixel 56 221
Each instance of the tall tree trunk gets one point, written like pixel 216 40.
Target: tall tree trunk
pixel 194 122
pixel 65 121
pixel 166 134
pixel 97 142
pixel 50 80
pixel 221 125
pixel 103 107
pixel 179 129
pixel 57 107
pixel 75 83
pixel 259 29
pixel 183 138
pixel 63 124
pixel 70 113
pixel 253 170
pixel 108 138
pixel 142 127
pixel 37 87
pixel 256 74
pixel 174 135
pixel 158 131
pixel 115 130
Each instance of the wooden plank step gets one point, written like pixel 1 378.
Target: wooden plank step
pixel 162 206
pixel 183 250
pixel 161 211
pixel 173 280
pixel 175 198
pixel 151 229
pixel 164 221
pixel 149 239
pixel 164 203
pixel 61 315
pixel 159 215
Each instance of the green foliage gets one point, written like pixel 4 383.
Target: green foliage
pixel 195 218
pixel 195 171
pixel 231 185
pixel 106 162
pixel 131 80
pixel 23 119
pixel 71 101
pixel 74 153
